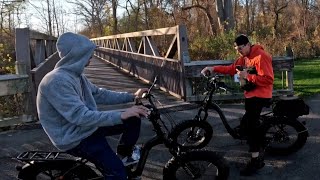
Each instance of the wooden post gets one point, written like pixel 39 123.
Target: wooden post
pixel 289 74
pixel 40 51
pixel 183 56
pixel 23 67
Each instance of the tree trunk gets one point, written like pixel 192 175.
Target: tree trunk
pixel 49 18
pixel 55 18
pixel 225 14
pixel 114 15
pixel 247 16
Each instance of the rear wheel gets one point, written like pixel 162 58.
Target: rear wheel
pixel 192 134
pixel 285 136
pixel 199 164
pixel 57 170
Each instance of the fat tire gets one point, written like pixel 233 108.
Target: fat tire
pixel 170 169
pixel 81 171
pixel 184 125
pixel 302 135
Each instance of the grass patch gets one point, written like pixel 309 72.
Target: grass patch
pixel 306 76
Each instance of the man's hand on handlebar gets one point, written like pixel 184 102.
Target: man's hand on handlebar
pixel 207 71
pixel 135 111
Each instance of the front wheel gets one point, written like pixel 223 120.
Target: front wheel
pixel 192 134
pixel 196 164
pixel 284 136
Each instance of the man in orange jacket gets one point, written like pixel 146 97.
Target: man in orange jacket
pixel 254 67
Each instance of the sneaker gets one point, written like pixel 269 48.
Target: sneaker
pixel 128 160
pixel 252 166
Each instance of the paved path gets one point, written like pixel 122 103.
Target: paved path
pixel 302 165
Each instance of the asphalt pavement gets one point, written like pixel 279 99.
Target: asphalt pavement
pixel 303 164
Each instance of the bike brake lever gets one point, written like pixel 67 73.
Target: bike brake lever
pixel 224 87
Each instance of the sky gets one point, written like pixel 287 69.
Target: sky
pixel 33 19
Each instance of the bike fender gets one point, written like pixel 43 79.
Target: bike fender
pixel 28 170
pixel 303 128
pixel 34 167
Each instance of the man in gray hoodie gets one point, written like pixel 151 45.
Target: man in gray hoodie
pixel 67 109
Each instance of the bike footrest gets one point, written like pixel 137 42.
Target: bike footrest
pixel 43 156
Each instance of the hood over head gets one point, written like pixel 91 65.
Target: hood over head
pixel 75 52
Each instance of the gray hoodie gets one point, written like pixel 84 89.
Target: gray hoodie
pixel 67 101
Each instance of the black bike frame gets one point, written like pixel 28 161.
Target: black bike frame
pixel 159 138
pixel 207 104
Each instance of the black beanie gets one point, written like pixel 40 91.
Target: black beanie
pixel 241 39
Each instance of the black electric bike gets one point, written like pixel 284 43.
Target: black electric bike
pixel 191 164
pixel 283 132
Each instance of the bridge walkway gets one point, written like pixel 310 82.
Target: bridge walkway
pixel 104 74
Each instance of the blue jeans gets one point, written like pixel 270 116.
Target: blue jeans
pixel 97 150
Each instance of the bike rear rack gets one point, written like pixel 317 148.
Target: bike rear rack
pixel 44 156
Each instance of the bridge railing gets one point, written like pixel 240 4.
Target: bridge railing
pixel 35 56
pixel 140 55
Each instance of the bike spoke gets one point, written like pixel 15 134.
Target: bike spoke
pixel 282 135
pixel 192 136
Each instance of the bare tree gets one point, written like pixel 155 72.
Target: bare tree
pixel 8 10
pixel 114 15
pixel 224 11
pixel 50 15
pixel 278 8
pixel 92 13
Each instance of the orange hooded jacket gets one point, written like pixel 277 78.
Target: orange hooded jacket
pixel 262 61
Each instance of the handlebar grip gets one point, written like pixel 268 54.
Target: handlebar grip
pixel 224 86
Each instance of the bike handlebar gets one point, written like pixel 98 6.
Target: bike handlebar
pixel 214 82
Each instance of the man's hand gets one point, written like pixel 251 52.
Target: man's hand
pixel 242 74
pixel 207 71
pixel 135 111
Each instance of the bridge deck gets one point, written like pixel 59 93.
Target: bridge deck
pixel 105 75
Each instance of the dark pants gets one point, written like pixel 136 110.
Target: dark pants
pixel 97 150
pixel 250 122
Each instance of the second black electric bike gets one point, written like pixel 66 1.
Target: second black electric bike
pixel 283 132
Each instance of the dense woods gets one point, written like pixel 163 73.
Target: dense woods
pixel 211 24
